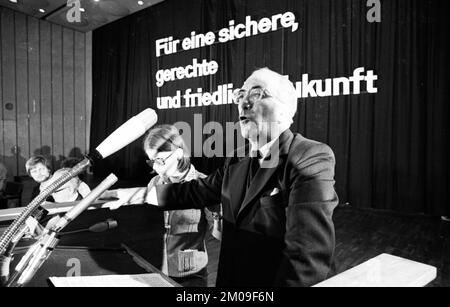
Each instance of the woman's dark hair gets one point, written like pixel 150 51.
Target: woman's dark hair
pixel 167 138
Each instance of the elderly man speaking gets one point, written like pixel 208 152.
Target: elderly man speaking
pixel 277 201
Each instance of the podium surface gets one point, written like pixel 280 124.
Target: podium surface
pixel 384 271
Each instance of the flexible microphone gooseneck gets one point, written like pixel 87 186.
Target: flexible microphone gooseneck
pixel 41 250
pixel 121 137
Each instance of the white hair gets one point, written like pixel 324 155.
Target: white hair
pixel 281 88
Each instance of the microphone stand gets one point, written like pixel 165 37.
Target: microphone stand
pixel 16 227
pixel 38 253
pixel 121 137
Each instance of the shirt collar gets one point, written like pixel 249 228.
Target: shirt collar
pixel 265 149
pixel 66 198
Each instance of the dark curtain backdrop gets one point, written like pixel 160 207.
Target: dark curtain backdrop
pixel 392 148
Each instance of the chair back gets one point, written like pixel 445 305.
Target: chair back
pixel 13 191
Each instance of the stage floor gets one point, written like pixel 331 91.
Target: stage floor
pixel 362 234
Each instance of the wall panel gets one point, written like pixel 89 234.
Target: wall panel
pixel 44 91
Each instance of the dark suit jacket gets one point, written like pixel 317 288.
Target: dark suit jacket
pixel 285 239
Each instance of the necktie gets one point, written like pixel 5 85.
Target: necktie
pixel 255 156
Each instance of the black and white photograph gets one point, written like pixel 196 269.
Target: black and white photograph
pixel 224 149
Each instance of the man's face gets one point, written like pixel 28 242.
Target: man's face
pixel 66 193
pixel 258 111
pixel 40 172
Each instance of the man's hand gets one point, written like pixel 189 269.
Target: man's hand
pixel 113 205
pixel 113 197
pixel 151 197
pixel 35 229
pixel 129 196
pixel 52 222
pixel 108 194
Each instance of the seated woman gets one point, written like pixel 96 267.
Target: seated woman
pixel 185 257
pixel 73 190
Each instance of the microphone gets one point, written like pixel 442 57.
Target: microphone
pixel 104 226
pixel 84 203
pixel 121 137
pixel 99 227
pixel 41 250
pixel 130 131
pixel 124 135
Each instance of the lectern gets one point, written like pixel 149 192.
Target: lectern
pixel 133 247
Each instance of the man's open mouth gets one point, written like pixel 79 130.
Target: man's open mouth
pixel 244 119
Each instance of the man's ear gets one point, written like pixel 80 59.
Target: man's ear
pixel 179 153
pixel 286 116
pixel 282 115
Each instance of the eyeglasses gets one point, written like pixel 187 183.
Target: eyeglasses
pixel 254 95
pixel 160 161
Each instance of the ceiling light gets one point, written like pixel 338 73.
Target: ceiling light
pixel 13 1
pixel 141 2
pixel 82 9
pixel 42 10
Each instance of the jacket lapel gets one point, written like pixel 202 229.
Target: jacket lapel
pixel 268 168
pixel 238 183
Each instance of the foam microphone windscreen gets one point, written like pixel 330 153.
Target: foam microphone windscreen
pixel 130 131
